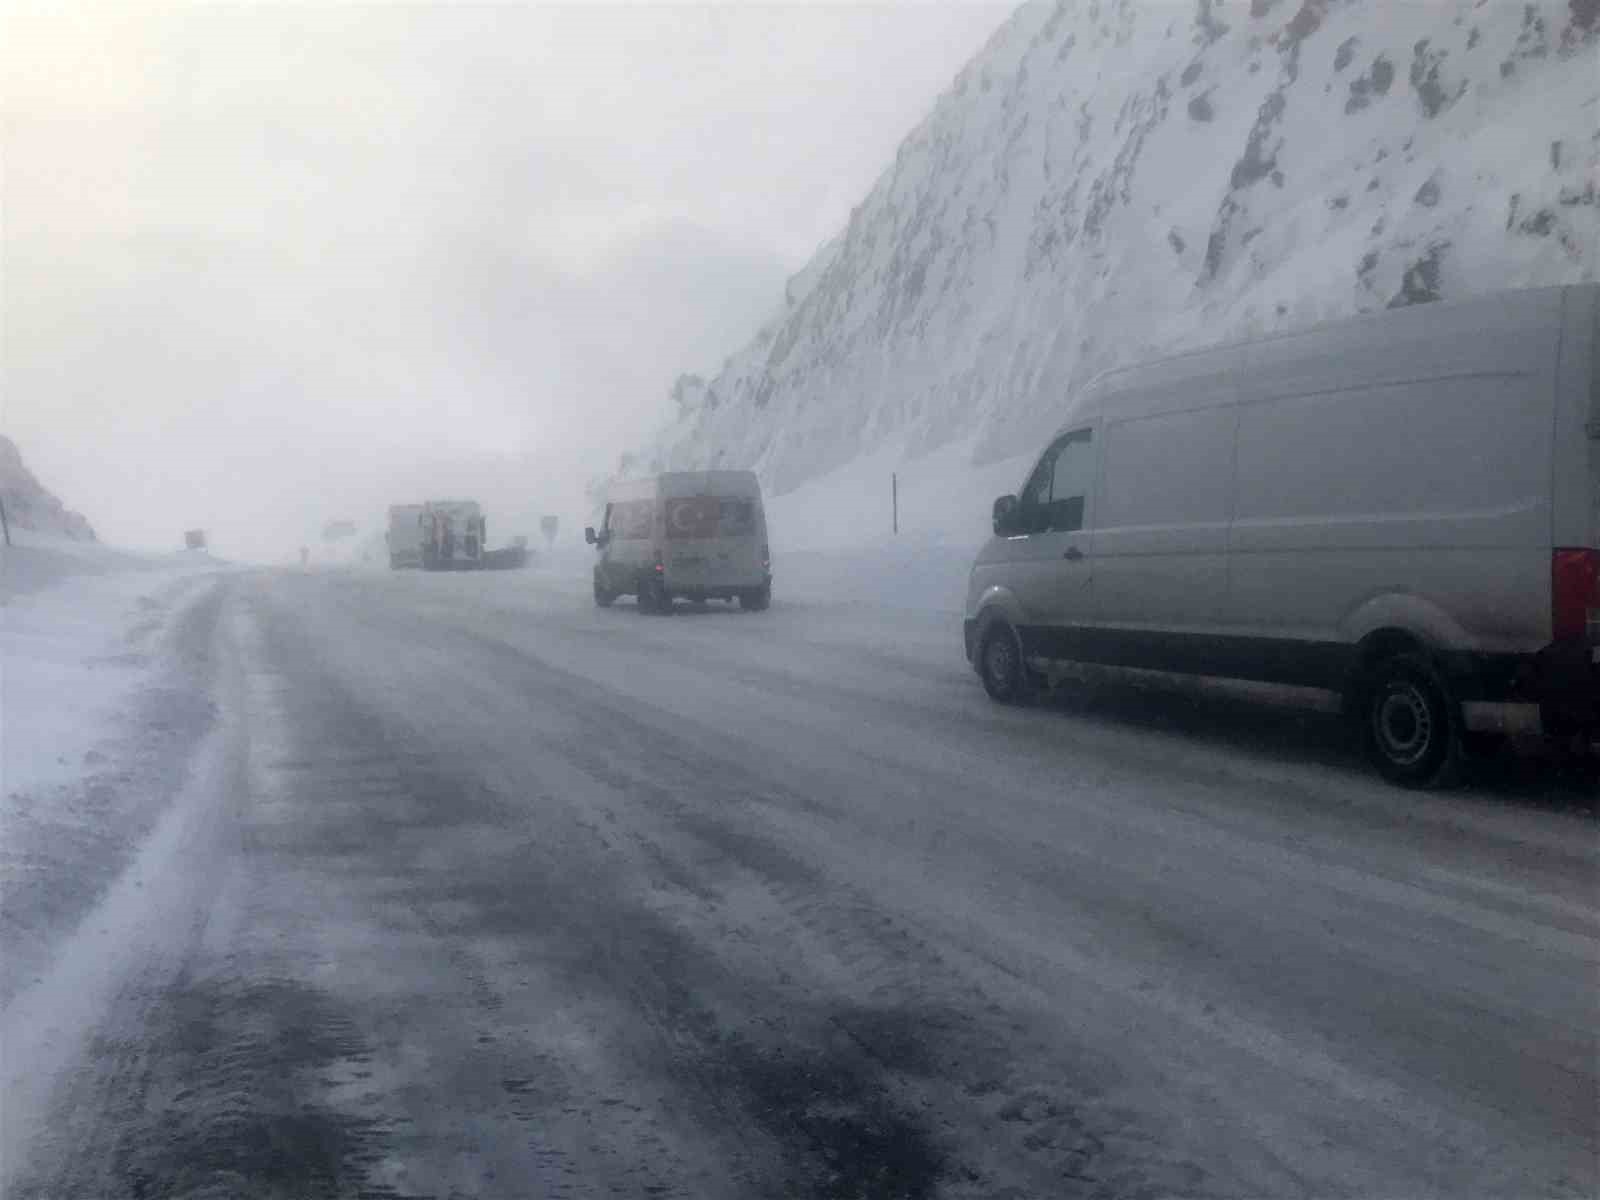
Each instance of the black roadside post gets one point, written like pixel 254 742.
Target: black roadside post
pixel 5 524
pixel 894 491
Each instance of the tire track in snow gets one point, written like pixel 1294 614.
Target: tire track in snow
pixel 842 970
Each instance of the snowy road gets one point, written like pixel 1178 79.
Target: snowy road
pixel 477 890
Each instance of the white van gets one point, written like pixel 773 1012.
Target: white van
pixel 699 535
pixel 1403 509
pixel 404 536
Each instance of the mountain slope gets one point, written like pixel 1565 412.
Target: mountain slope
pixel 1108 180
pixel 29 506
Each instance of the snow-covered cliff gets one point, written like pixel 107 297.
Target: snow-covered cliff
pixel 1114 178
pixel 29 506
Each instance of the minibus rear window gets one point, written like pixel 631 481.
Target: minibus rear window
pixel 710 516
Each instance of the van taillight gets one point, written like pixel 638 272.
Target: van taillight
pixel 1575 593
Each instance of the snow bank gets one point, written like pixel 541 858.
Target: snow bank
pixel 75 619
pixel 95 718
pixel 833 538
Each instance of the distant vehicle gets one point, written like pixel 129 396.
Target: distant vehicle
pixel 194 539
pixel 698 535
pixel 453 533
pixel 404 536
pixel 508 558
pixel 1403 509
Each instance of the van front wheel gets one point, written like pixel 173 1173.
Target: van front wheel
pixel 1004 672
pixel 1413 724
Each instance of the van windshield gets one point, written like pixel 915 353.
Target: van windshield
pixel 690 517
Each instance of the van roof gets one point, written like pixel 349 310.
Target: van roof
pixel 1456 323
pixel 686 483
pixel 701 483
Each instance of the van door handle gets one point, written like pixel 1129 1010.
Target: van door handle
pixel 1072 554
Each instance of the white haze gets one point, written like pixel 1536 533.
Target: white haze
pixel 268 266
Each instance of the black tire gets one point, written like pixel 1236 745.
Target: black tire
pixel 602 597
pixel 756 599
pixel 1004 672
pixel 1411 723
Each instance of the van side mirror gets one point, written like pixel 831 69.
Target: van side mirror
pixel 588 535
pixel 1005 515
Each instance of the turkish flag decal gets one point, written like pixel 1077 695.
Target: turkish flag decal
pixel 693 517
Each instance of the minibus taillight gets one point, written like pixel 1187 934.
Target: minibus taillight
pixel 1575 593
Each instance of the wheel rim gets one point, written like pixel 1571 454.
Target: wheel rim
pixel 1402 722
pixel 1000 663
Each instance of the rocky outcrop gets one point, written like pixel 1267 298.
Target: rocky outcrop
pixel 29 506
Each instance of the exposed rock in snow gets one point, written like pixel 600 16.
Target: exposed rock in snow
pixel 29 506
pixel 1112 179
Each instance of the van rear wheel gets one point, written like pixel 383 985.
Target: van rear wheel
pixel 756 599
pixel 1412 724
pixel 1003 669
pixel 602 597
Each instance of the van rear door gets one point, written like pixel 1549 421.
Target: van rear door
pixel 714 540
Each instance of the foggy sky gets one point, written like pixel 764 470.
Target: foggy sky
pixel 265 266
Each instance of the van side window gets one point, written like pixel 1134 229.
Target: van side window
pixel 630 520
pixel 1036 492
pixel 1070 480
pixel 1053 500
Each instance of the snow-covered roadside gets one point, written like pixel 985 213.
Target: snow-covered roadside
pixel 833 540
pixel 103 695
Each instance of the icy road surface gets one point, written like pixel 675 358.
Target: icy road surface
pixel 476 890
